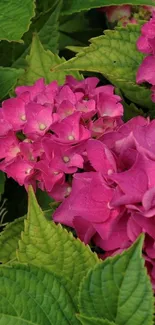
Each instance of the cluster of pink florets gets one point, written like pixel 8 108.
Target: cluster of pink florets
pixel 125 14
pixel 45 129
pixel 115 201
pixel 146 45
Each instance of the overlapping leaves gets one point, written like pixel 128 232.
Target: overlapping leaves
pixel 60 268
pixel 115 56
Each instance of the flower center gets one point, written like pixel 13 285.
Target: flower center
pixel 68 190
pixel 71 137
pixel 23 117
pixel 42 126
pixel 28 171
pixel 55 173
pixel 66 159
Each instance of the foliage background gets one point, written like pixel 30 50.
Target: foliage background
pixel 36 39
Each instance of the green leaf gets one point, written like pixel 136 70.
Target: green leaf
pixel 131 111
pixel 46 24
pixel 93 321
pixel 115 56
pixel 71 30
pixel 8 79
pixel 72 6
pixel 41 64
pixel 47 244
pixel 44 200
pixel 2 182
pixel 119 289
pixel 15 18
pixel 49 33
pixel 9 240
pixel 30 295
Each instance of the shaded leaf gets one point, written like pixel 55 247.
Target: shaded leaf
pixel 8 79
pixel 72 6
pixel 2 182
pixel 9 240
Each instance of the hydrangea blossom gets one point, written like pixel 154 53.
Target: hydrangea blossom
pixel 71 141
pixel 55 124
pixel 115 13
pixel 115 201
pixel 125 14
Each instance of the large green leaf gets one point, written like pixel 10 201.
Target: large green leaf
pixel 47 244
pixel 15 18
pixel 30 295
pixel 9 238
pixel 41 64
pixel 119 289
pixel 8 79
pixel 93 321
pixel 115 56
pixel 72 6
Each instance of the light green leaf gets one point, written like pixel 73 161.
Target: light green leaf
pixel 30 295
pixel 93 321
pixel 15 18
pixel 8 79
pixel 2 182
pixel 116 57
pixel 41 64
pixel 72 6
pixel 75 49
pixel 49 245
pixel 9 238
pixel 119 289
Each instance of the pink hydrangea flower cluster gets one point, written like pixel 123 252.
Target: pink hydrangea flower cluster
pixel 44 131
pixel 115 13
pixel 125 13
pixel 146 45
pixel 114 201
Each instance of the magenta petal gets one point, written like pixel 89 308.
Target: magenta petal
pixel 33 90
pixel 90 190
pixel 20 170
pixel 143 45
pixel 84 229
pixel 117 239
pixel 148 225
pixel 130 181
pixel 148 200
pixel 14 112
pixel 133 229
pixel 146 71
pixel 100 157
